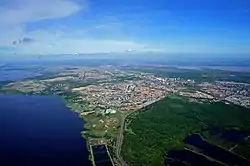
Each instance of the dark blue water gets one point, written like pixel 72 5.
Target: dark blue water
pixel 14 75
pixel 182 157
pixel 215 152
pixel 101 155
pixel 231 135
pixel 40 130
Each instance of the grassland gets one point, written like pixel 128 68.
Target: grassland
pixel 162 127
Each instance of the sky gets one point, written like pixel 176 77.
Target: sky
pixel 103 26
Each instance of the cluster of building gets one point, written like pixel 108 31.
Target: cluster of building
pixel 128 90
pixel 124 95
pixel 237 93
pixel 197 95
pixel 128 94
pixel 28 86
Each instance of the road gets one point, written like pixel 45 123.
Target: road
pixel 120 140
pixel 120 135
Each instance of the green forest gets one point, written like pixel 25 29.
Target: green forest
pixel 161 127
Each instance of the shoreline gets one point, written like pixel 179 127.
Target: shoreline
pixel 83 133
pixel 91 137
pixel 85 129
pixel 50 110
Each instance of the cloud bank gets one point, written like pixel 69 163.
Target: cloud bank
pixel 15 15
pixel 17 12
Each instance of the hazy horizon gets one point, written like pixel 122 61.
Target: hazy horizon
pixel 158 26
pixel 199 60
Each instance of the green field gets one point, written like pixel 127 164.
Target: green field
pixel 162 127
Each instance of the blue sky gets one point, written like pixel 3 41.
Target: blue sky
pixel 98 26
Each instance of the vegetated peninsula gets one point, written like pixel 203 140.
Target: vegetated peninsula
pixel 147 112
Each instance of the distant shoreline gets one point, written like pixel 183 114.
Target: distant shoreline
pixel 227 68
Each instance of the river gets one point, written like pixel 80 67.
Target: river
pixel 40 130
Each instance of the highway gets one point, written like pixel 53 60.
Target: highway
pixel 120 135
pixel 120 140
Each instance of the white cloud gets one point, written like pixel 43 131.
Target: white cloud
pixel 47 43
pixel 69 46
pixel 23 11
pixel 10 34
pixel 15 15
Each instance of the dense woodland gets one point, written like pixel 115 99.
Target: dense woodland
pixel 161 127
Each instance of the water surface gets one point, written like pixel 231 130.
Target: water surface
pixel 40 130
pixel 15 75
pixel 215 152
pixel 101 155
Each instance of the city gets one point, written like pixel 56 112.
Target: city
pixel 105 96
pixel 112 87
